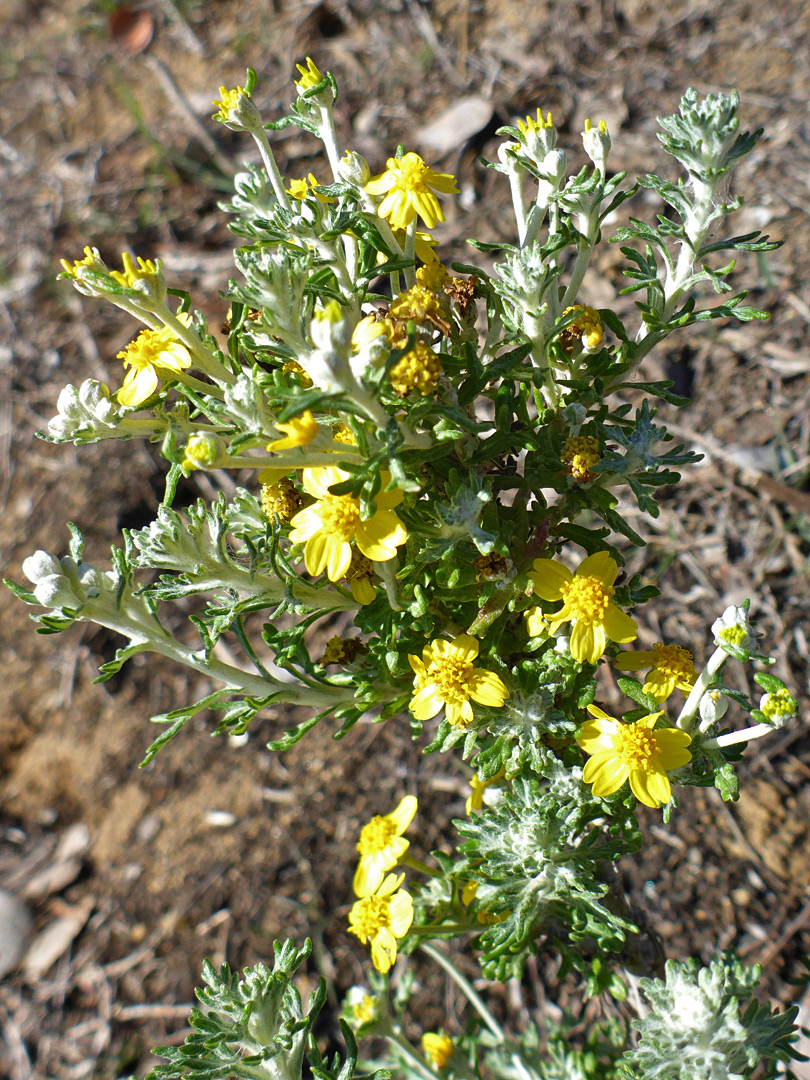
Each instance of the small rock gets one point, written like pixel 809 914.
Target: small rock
pixel 15 929
pixel 457 124
pixel 148 828
pixel 220 819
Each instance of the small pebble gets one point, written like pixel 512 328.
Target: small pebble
pixel 15 929
pixel 148 828
pixel 220 819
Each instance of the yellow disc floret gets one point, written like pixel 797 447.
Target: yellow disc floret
pixel 584 333
pixel 580 453
pixel 418 370
pixel 280 500
pixel 671 666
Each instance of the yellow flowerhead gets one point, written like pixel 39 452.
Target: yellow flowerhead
pixel 408 185
pixel 437 1048
pixel 299 189
pixel 294 367
pixel 530 126
pixel 382 918
pixel 358 578
pixel 300 431
pixel 153 355
pixel 587 604
pixel 579 454
pixel 91 261
pixel 469 892
pixel 382 845
pixel 279 499
pixel 344 434
pixel 227 102
pixel 418 370
pixel 423 248
pixel 204 450
pixel 671 666
pixel 585 332
pixel 133 275
pixel 619 752
pixel 360 1008
pixel 310 75
pixel 418 303
pixel 331 524
pixel 445 678
pixel 367 331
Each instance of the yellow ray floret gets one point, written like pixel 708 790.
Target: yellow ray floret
pixel 382 918
pixel 587 604
pixel 299 431
pixel 634 752
pixel 409 187
pixel 333 523
pixel 382 845
pixel 445 678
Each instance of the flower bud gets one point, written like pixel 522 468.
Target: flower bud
pixel 553 167
pixel 778 707
pixel 205 450
pixel 330 328
pixel 353 168
pixel 56 592
pixel 145 281
pixel 713 706
pixel 41 565
pixel 596 143
pixel 733 628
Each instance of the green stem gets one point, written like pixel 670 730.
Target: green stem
pixel 409 1053
pixel 466 989
pixel 269 162
pixel 203 357
pixel 687 715
pixel 198 385
pixel 437 930
pixel 410 247
pixel 288 463
pixel 583 259
pixel 329 140
pixel 756 731
pixel 418 865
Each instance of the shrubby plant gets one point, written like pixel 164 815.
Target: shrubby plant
pixel 443 454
